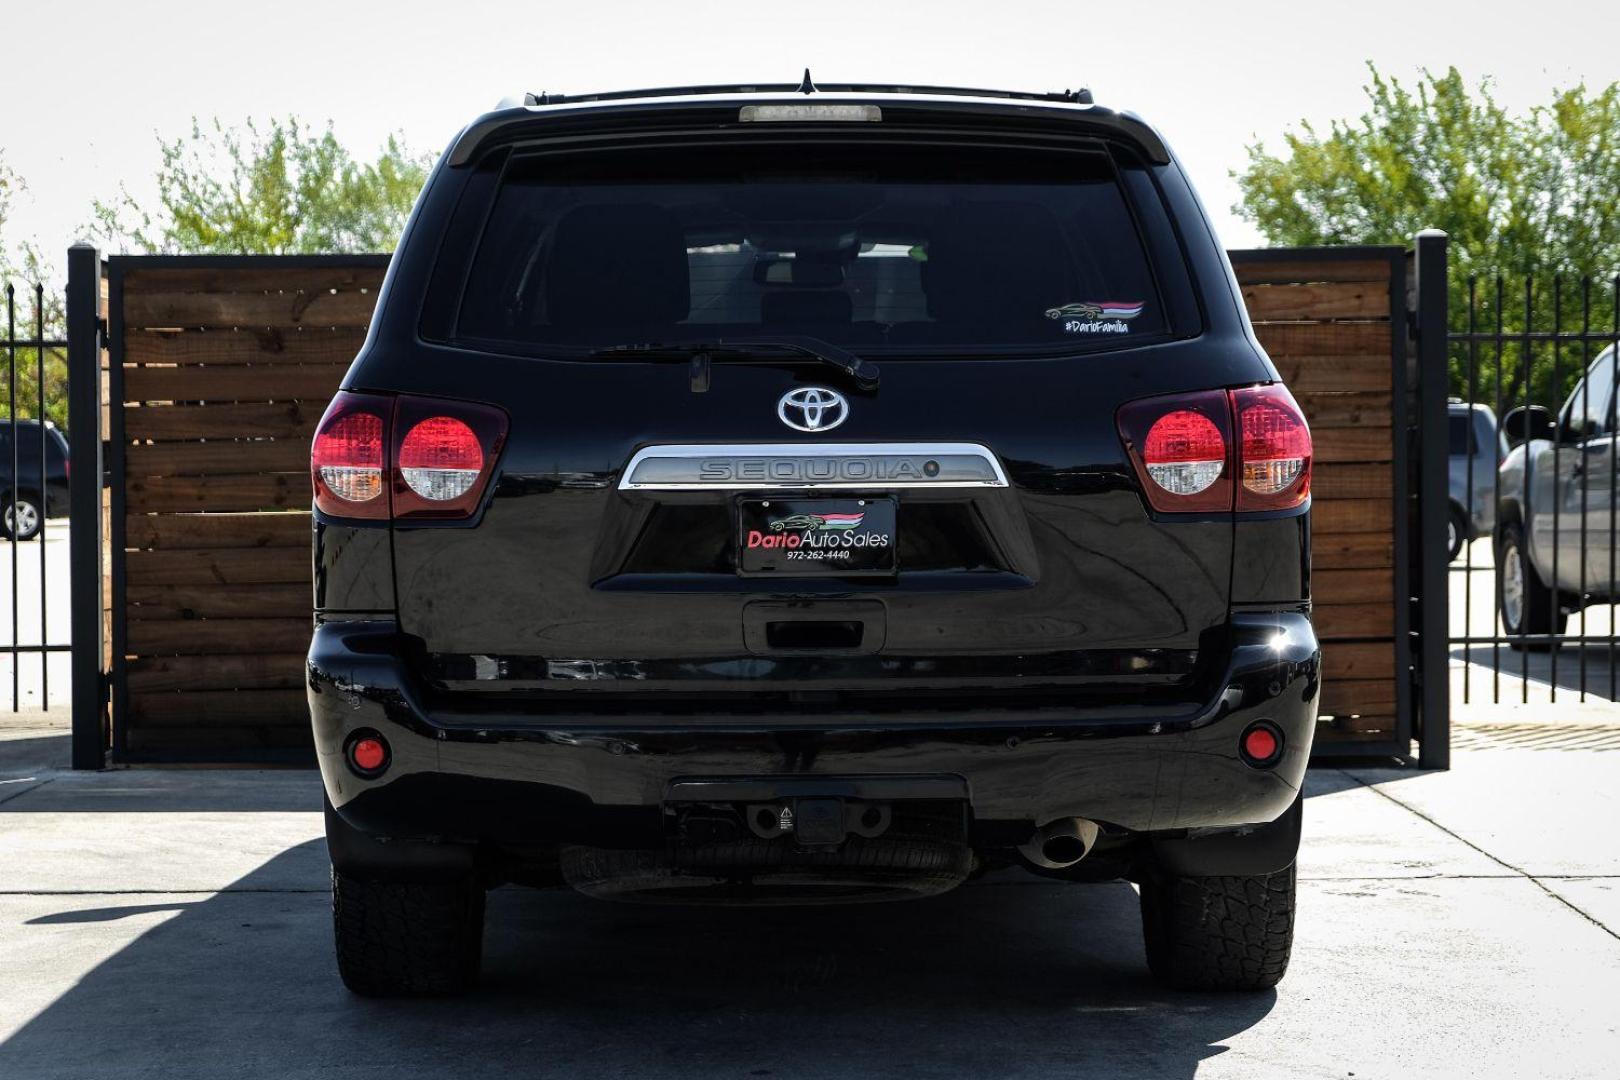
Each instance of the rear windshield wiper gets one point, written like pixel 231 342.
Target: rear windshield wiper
pixel 864 372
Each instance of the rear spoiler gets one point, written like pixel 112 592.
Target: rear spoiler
pixel 559 113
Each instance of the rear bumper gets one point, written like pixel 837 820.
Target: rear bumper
pixel 527 781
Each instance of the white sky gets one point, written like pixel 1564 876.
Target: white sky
pixel 85 86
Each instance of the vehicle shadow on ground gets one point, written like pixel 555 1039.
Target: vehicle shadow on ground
pixel 1006 979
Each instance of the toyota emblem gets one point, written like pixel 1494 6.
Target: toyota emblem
pixel 812 408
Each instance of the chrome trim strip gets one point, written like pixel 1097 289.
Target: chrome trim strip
pixel 690 459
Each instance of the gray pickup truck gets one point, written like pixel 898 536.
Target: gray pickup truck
pixel 1555 534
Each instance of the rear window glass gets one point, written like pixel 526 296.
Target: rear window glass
pixel 904 248
pixel 1459 436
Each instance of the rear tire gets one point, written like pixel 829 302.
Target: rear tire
pixel 407 938
pixel 1219 933
pixel 30 517
pixel 1527 606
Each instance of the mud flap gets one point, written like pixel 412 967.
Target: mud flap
pixel 1263 849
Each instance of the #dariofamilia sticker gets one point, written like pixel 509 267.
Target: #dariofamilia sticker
pixel 1097 317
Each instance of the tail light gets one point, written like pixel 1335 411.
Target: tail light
pixel 1188 461
pixel 405 457
pixel 1274 454
pixel 1181 446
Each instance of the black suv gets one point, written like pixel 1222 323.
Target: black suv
pixel 764 496
pixel 38 488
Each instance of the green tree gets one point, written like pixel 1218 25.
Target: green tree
pixel 1534 195
pixel 29 309
pixel 281 188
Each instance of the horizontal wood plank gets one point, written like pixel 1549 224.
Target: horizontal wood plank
pixel 362 274
pixel 225 566
pixel 243 492
pixel 150 602
pixel 1358 660
pixel 178 532
pixel 189 310
pixel 193 637
pixel 216 456
pixel 1308 271
pixel 276 345
pixel 234 382
pixel 1352 516
pixel 1368 372
pixel 1350 551
pixel 1352 728
pixel 1370 586
pixel 1364 480
pixel 1348 444
pixel 1334 621
pixel 1324 411
pixel 1335 300
pixel 1348 697
pixel 285 420
pixel 264 671
pixel 190 710
pixel 1326 339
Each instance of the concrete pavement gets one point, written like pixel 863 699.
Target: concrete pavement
pixel 174 924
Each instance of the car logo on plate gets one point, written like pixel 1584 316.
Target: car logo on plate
pixel 812 408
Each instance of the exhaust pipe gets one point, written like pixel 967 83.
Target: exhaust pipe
pixel 1060 844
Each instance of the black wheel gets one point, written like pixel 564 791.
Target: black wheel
pixel 1219 933
pixel 415 938
pixel 30 515
pixel 1456 533
pixel 1527 606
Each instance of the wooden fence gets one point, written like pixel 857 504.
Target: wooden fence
pixel 221 369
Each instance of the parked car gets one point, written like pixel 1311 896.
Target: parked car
pixel 719 512
pixel 1555 537
pixel 1477 448
pixel 36 494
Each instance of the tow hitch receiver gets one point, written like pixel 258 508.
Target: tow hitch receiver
pixel 807 811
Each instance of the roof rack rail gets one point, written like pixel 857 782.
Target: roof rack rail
pixel 1081 96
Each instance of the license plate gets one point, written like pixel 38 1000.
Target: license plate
pixel 827 537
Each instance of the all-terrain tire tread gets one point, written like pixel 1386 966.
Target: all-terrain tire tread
pixel 407 938
pixel 1219 933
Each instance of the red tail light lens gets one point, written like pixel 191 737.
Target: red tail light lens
pixel 348 459
pixel 1188 460
pixel 447 453
pixel 1274 449
pixel 438 469
pixel 1181 449
pixel 440 459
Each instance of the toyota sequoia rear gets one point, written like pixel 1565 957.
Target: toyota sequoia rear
pixel 772 497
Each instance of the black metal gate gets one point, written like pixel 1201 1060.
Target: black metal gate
pixel 1534 487
pixel 34 470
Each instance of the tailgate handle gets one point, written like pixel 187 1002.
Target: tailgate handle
pixel 772 627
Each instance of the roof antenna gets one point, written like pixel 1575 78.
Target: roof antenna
pixel 1081 96
pixel 807 87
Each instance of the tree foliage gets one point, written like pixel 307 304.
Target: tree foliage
pixel 1531 196
pixel 31 311
pixel 281 188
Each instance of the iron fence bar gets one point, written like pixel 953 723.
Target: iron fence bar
pixel 44 499
pixel 1529 498
pixel 1558 493
pixel 1496 493
pixel 14 520
pixel 1614 489
pixel 1586 479
pixel 1434 732
pixel 84 534
pixel 1529 335
pixel 1469 450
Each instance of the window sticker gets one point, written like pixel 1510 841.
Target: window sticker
pixel 1096 316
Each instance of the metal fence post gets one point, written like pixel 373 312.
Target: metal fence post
pixel 1434 387
pixel 85 538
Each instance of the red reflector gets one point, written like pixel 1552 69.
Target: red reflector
pixel 1260 744
pixel 368 755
